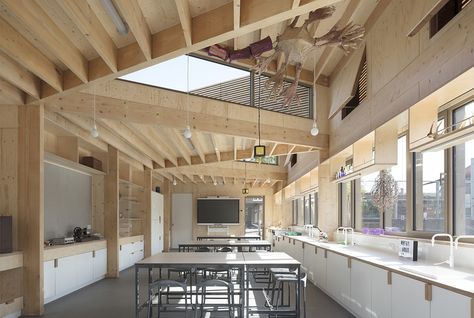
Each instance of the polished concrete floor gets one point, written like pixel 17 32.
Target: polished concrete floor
pixel 114 298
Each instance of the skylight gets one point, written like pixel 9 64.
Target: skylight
pixel 171 74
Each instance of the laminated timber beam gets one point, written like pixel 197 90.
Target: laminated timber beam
pixel 134 103
pixel 212 27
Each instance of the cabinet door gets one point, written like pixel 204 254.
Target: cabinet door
pixel 361 289
pixel 338 278
pixel 310 261
pixel 299 251
pixel 100 264
pixel 155 237
pixel 49 281
pixel 124 256
pixel 446 303
pixel 381 293
pixel 408 298
pixel 84 269
pixel 320 269
pixel 66 274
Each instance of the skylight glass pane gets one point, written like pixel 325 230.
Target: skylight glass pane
pixel 171 74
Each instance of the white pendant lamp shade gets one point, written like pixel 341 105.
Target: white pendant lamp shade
pixel 314 130
pixel 187 132
pixel 94 131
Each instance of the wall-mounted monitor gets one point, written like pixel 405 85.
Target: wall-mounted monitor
pixel 218 211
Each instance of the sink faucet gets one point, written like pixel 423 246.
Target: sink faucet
pixel 450 261
pixel 344 231
pixel 462 237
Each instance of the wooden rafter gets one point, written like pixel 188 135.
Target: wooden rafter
pixel 196 140
pixel 10 94
pixel 236 14
pixel 185 19
pixel 179 143
pixel 24 53
pixel 50 35
pixel 17 75
pixel 86 20
pixel 132 13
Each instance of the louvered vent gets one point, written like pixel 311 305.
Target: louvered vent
pixel 239 91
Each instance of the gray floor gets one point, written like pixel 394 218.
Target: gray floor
pixel 114 298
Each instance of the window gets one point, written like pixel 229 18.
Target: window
pixel 346 203
pixel 394 218
pixel 463 165
pixel 298 211
pixel 445 14
pixel 310 208
pixel 429 191
pixel 267 160
pixel 361 92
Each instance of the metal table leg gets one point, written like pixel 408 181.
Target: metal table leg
pixel 298 286
pixel 137 291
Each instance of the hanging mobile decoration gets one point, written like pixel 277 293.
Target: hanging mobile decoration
pixel 384 191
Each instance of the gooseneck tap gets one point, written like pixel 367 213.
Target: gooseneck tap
pixel 450 261
pixel 460 237
pixel 345 231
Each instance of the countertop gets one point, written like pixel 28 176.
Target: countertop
pixel 59 251
pixel 457 279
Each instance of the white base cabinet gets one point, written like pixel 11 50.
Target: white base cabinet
pixel 381 293
pixel 67 274
pixel 130 253
pixel 408 298
pixel 338 278
pixel 361 289
pixel 445 303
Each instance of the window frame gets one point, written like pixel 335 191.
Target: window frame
pixel 353 203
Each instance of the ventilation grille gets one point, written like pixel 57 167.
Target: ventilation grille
pixel 363 83
pixel 239 91
pixel 464 3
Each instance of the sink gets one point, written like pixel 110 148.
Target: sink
pixel 435 272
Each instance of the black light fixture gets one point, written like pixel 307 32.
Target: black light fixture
pixel 245 190
pixel 259 150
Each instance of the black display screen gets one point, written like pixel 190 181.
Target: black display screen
pixel 218 211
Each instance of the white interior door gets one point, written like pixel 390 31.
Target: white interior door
pixel 181 218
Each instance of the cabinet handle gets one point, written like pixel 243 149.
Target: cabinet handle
pixel 389 278
pixel 349 262
pixel 294 241
pixel 93 254
pixel 120 247
pixel 428 292
pixel 315 250
pixel 325 253
pixel 302 245
pixel 56 263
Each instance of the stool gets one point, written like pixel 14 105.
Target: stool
pixel 214 283
pixel 156 289
pixel 289 278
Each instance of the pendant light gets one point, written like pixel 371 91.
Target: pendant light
pixel 174 181
pixel 314 130
pixel 259 150
pixel 245 190
pixel 94 131
pixel 187 131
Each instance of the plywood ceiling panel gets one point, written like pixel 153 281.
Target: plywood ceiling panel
pixel 27 34
pixel 67 26
pixel 159 15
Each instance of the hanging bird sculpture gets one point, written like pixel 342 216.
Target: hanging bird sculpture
pixel 294 46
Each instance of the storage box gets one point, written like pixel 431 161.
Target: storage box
pixel 6 234
pixel 91 162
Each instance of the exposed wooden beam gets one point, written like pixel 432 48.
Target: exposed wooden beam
pixel 216 147
pixel 296 4
pixel 200 176
pixel 236 14
pixel 186 20
pixel 85 19
pixel 212 27
pixel 74 129
pixel 198 146
pixel 235 140
pixel 165 110
pixel 272 151
pixel 110 138
pixel 179 143
pixel 328 51
pixel 135 140
pixel 10 94
pixel 23 52
pixel 50 35
pixel 132 13
pixel 156 141
pixel 17 75
pixel 254 183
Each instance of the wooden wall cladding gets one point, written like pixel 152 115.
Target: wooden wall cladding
pixel 8 166
pixel 11 284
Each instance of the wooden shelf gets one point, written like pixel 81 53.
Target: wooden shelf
pixel 362 172
pixel 60 161
pixel 11 261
